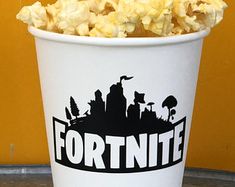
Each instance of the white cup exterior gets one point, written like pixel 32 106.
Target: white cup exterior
pixel 78 66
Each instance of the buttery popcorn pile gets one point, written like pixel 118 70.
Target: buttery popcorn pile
pixel 124 18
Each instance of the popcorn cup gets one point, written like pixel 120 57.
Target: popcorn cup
pixel 118 111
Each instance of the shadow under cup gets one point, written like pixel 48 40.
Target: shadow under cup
pixel 118 111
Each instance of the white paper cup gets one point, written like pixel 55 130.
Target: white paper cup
pixel 129 107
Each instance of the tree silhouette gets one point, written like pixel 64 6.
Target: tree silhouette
pixel 170 102
pixel 68 115
pixel 74 108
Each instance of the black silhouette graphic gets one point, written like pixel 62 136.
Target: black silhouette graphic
pixel 74 108
pixel 68 115
pixel 114 118
pixel 133 111
pixel 151 105
pixel 149 115
pixel 170 102
pixel 116 101
pixel 97 105
pixel 125 78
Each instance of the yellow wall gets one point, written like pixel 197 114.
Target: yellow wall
pixel 22 133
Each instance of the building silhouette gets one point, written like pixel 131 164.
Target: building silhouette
pixel 148 115
pixel 133 111
pixel 116 103
pixel 97 106
pixel 114 112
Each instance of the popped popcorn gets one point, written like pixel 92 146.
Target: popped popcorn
pixel 35 15
pixel 195 15
pixel 70 17
pixel 124 18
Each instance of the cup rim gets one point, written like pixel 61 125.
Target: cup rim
pixel 134 41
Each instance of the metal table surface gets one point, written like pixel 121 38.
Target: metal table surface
pixel 44 180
